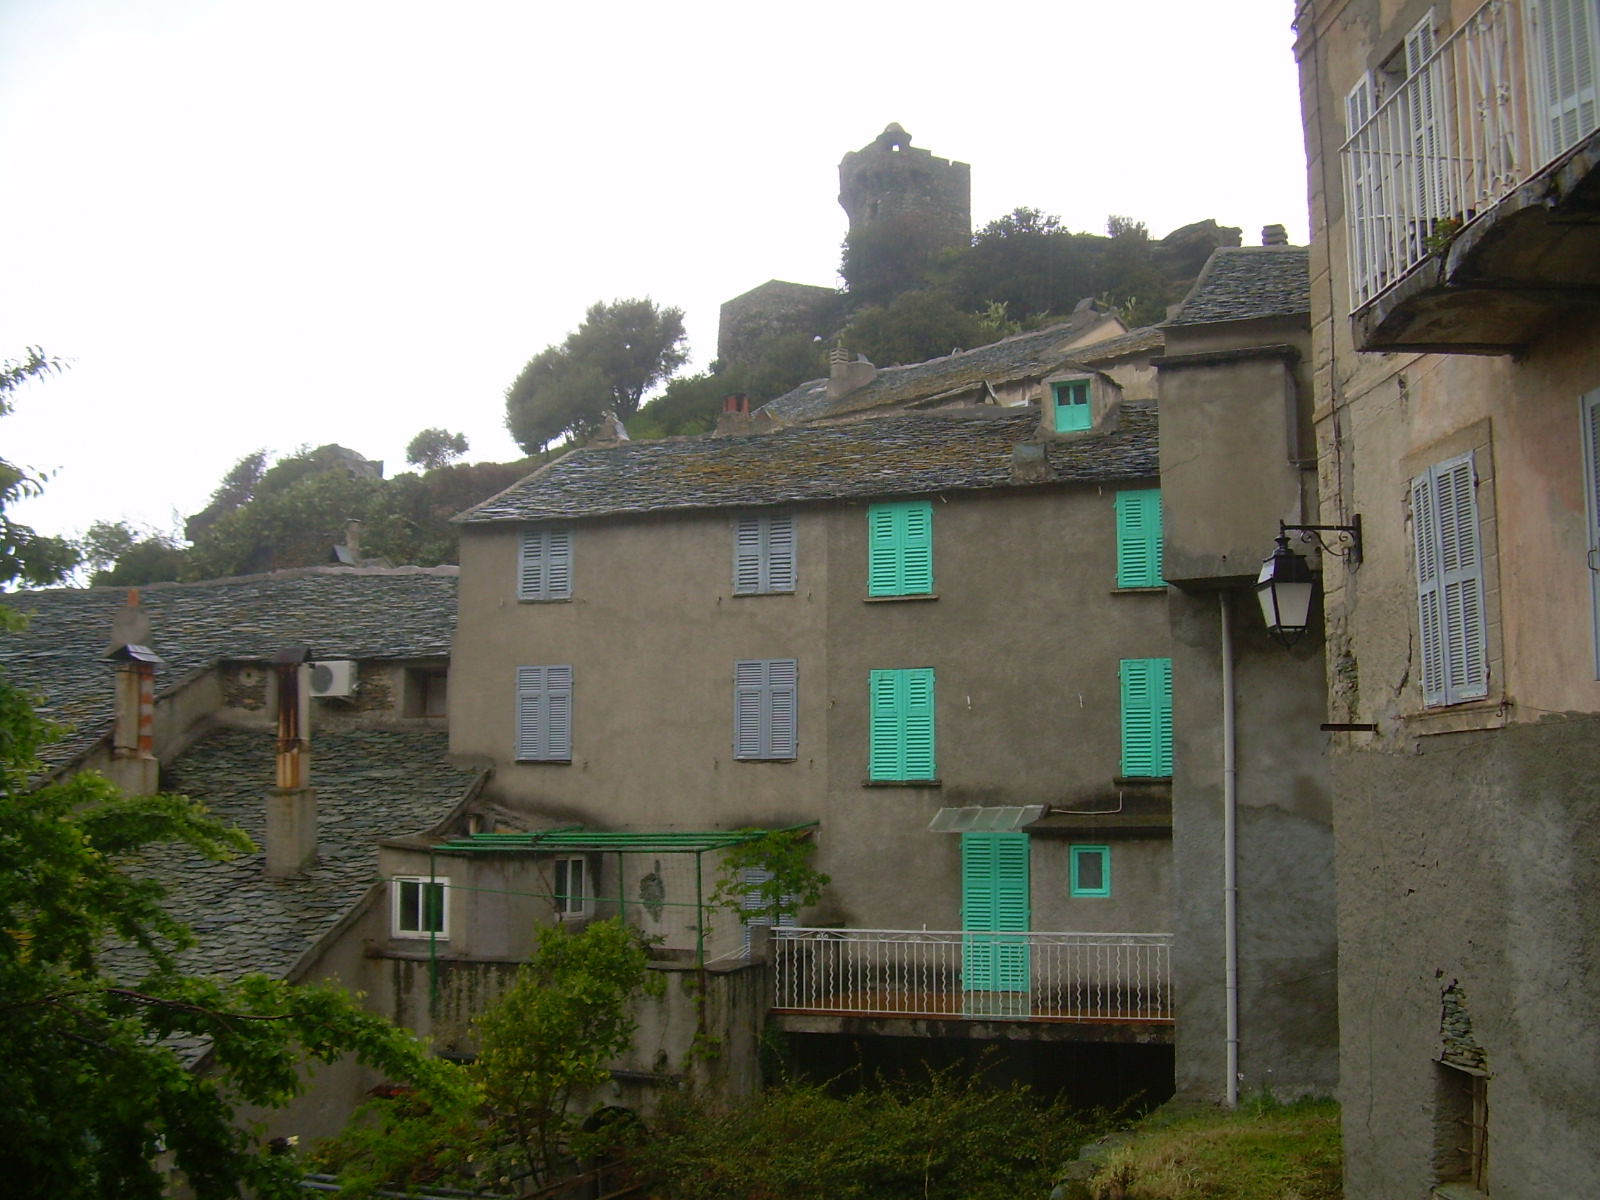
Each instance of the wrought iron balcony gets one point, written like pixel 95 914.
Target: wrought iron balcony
pixel 1472 203
pixel 953 975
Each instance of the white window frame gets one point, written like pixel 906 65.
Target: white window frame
pixel 567 903
pixel 397 888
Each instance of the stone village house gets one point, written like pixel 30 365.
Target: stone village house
pixel 1453 150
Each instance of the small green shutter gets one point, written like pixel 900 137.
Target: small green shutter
pixel 1072 406
pixel 1139 538
pixel 1147 717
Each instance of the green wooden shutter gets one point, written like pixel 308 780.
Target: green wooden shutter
pixel 1147 717
pixel 994 902
pixel 886 755
pixel 1139 538
pixel 902 731
pixel 900 548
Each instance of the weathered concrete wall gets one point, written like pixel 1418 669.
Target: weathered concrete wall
pixel 1288 1018
pixel 1472 861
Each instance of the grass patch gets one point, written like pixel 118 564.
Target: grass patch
pixel 1261 1151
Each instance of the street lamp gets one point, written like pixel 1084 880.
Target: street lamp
pixel 1286 585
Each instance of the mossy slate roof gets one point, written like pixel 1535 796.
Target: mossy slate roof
pixel 1243 283
pixel 1023 356
pixel 370 784
pixel 338 613
pixel 897 455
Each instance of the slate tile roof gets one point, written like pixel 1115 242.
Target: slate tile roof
pixel 1019 357
pixel 903 454
pixel 1242 283
pixel 339 613
pixel 370 784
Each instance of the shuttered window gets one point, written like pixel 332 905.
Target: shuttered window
pixel 765 703
pixel 1139 538
pixel 763 554
pixel 901 737
pixel 544 714
pixel 544 565
pixel 1147 717
pixel 900 548
pixel 1071 401
pixel 1090 870
pixel 1566 31
pixel 994 902
pixel 1444 525
pixel 1590 413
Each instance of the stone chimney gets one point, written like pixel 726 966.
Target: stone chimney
pixel 1030 463
pixel 611 432
pixel 134 766
pixel 846 376
pixel 291 842
pixel 1274 235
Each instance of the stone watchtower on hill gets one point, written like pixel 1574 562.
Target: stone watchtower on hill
pixel 890 178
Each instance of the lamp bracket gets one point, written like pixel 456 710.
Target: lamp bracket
pixel 1346 542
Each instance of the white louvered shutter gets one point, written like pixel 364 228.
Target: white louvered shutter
pixel 1566 33
pixel 1591 470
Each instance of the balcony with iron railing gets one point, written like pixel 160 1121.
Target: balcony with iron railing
pixel 1472 191
pixel 1110 980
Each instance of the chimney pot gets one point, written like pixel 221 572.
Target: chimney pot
pixel 1274 235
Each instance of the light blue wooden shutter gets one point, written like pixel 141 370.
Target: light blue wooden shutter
pixel 1450 606
pixel 765 708
pixel 1566 34
pixel 1147 717
pixel 1591 472
pixel 1139 538
pixel 747 556
pixel 780 573
pixel 544 565
pixel 544 713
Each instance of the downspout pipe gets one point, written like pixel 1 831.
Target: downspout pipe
pixel 1230 846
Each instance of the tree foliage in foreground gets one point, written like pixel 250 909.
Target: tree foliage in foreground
pixel 608 363
pixel 948 1139
pixel 99 1102
pixel 27 556
pixel 550 1038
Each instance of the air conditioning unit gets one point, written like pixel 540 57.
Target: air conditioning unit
pixel 336 677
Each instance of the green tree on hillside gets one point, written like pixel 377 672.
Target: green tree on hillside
pixel 608 363
pixel 119 555
pixel 27 556
pixel 434 448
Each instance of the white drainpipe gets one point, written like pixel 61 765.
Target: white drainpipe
pixel 1230 833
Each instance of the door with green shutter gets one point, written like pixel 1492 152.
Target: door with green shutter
pixel 994 903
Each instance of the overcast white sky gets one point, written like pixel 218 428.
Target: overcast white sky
pixel 305 221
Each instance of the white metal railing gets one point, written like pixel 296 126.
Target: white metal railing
pixel 1506 93
pixel 974 975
